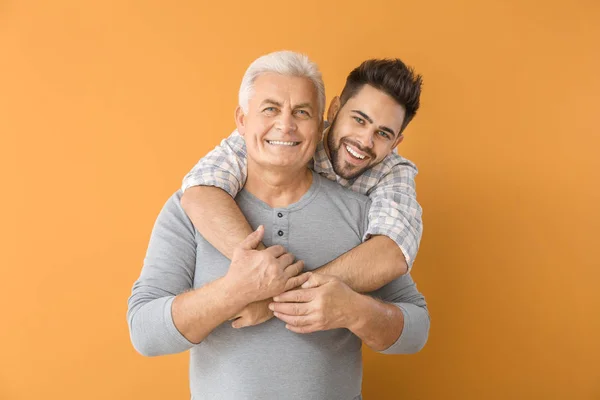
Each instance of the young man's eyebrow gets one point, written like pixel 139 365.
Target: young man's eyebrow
pixel 382 127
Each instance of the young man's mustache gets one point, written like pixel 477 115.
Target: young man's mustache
pixel 366 151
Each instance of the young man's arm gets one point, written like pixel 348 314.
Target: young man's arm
pixel 394 220
pixel 209 192
pixel 393 234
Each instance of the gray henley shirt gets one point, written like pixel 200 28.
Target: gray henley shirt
pixel 265 361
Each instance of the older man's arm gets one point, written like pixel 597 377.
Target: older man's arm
pixel 393 320
pixel 167 272
pixel 398 307
pixel 166 315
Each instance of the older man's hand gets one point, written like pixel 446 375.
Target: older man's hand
pixel 255 275
pixel 327 303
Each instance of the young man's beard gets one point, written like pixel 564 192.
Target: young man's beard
pixel 338 165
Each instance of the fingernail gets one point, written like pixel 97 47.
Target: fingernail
pixel 271 306
pixel 276 298
pixel 305 285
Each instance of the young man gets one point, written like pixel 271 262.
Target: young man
pixel 378 101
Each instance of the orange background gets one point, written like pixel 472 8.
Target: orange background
pixel 104 106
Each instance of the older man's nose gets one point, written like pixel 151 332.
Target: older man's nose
pixel 286 124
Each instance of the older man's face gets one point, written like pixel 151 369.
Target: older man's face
pixel 282 126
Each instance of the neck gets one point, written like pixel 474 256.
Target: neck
pixel 275 187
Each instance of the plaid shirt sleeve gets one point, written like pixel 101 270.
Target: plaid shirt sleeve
pixel 225 167
pixel 395 211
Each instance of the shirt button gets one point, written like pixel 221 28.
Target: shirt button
pixel 279 215
pixel 280 233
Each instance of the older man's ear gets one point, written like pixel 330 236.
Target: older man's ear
pixel 240 120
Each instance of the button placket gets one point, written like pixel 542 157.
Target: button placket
pixel 280 227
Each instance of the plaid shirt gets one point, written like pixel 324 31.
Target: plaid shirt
pixel 390 185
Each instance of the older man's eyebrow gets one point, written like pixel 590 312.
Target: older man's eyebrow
pixel 271 101
pixel 382 127
pixel 303 105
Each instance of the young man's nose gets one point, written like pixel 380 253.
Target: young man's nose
pixel 365 138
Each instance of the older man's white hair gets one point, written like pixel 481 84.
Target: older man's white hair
pixel 287 63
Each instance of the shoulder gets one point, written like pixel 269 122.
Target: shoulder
pixel 395 162
pixel 173 213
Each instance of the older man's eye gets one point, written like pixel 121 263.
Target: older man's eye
pixel 270 110
pixel 303 113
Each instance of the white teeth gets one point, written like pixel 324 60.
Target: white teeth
pixel 280 143
pixel 355 154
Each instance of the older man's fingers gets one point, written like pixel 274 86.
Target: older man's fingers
pixel 293 269
pixel 290 308
pixel 295 320
pixel 303 329
pixel 296 296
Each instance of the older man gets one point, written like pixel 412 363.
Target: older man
pixel 188 290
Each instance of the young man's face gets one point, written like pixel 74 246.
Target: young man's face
pixel 282 126
pixel 364 131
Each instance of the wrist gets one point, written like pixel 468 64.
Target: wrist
pixel 357 312
pixel 233 294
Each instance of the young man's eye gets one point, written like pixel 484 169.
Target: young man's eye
pixel 384 134
pixel 359 120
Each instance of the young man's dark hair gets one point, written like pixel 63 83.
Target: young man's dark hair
pixel 391 76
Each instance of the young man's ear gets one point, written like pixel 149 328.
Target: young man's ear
pixel 334 107
pixel 398 140
pixel 240 120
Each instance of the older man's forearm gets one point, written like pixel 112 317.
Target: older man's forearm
pixel 173 324
pixel 198 312
pixel 389 328
pixel 217 217
pixel 369 266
